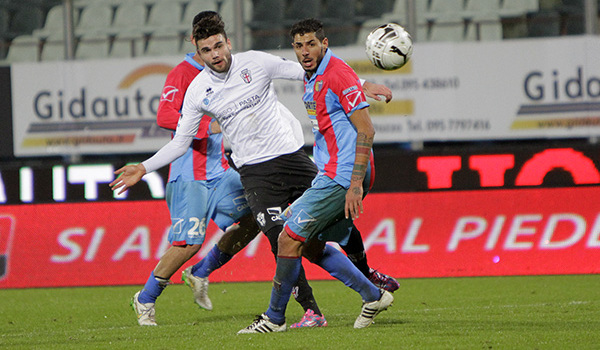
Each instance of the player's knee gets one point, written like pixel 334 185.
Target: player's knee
pixel 288 246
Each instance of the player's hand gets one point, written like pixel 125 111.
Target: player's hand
pixel 215 128
pixel 354 205
pixel 375 91
pixel 128 176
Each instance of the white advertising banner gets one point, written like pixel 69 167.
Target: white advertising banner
pixel 517 89
pixel 88 107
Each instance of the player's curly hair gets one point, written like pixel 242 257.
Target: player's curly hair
pixel 308 25
pixel 207 24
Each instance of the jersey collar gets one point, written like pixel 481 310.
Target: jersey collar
pixel 322 66
pixel 189 58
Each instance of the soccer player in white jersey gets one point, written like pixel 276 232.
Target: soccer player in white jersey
pixel 202 187
pixel 237 90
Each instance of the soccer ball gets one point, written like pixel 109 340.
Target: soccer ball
pixel 389 46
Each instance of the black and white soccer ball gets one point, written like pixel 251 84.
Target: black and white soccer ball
pixel 389 46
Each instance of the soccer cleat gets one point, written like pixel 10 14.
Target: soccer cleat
pixel 144 312
pixel 310 319
pixel 262 324
pixel 372 309
pixel 383 281
pixel 199 286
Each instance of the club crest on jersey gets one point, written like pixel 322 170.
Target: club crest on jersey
pixel 318 85
pixel 245 74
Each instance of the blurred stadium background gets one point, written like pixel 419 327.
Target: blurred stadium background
pixel 520 201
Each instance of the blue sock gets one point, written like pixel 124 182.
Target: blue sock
pixel 152 289
pixel 340 267
pixel 286 276
pixel 215 259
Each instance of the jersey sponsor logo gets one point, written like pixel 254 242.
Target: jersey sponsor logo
pixel 168 93
pixel 311 107
pixel 349 90
pixel 354 98
pixel 246 76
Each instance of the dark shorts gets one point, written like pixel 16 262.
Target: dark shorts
pixel 272 186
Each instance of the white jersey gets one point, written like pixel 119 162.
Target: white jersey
pixel 243 101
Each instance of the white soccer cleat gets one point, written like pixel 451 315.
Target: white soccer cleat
pixel 372 309
pixel 262 324
pixel 145 312
pixel 199 286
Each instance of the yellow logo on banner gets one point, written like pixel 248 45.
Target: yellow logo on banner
pixel 150 69
pixel 364 67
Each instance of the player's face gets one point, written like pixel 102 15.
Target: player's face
pixel 309 51
pixel 215 51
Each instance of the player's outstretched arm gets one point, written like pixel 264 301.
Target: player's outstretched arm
pixel 128 176
pixel 375 91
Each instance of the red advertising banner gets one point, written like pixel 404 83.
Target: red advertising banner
pixel 434 234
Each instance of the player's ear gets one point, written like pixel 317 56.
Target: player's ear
pixel 229 44
pixel 325 43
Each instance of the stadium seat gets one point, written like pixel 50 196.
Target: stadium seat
pixel 484 6
pixel 446 6
pixel 511 8
pixel 484 27
pixel 130 44
pixel 95 18
pixel 92 46
pixel 54 47
pixel 131 15
pixel 447 29
pixel 24 48
pixel 192 8
pixel 165 42
pixel 165 13
pixel 53 23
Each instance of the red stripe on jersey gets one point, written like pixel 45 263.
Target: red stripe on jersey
pixel 200 147
pixel 199 155
pixel 224 160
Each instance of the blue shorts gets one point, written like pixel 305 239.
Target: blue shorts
pixel 193 203
pixel 319 212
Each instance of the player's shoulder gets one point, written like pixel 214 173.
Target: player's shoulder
pixel 338 70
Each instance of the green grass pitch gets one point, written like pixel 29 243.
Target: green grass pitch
pixel 537 312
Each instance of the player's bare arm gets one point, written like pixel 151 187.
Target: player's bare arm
pixel 364 142
pixel 127 176
pixel 375 91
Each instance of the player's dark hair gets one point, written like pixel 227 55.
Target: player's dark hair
pixel 204 14
pixel 309 25
pixel 207 24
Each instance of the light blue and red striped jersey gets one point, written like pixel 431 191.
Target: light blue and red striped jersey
pixel 205 159
pixel 331 95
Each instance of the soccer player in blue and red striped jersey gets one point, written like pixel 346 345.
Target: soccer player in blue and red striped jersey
pixel 342 151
